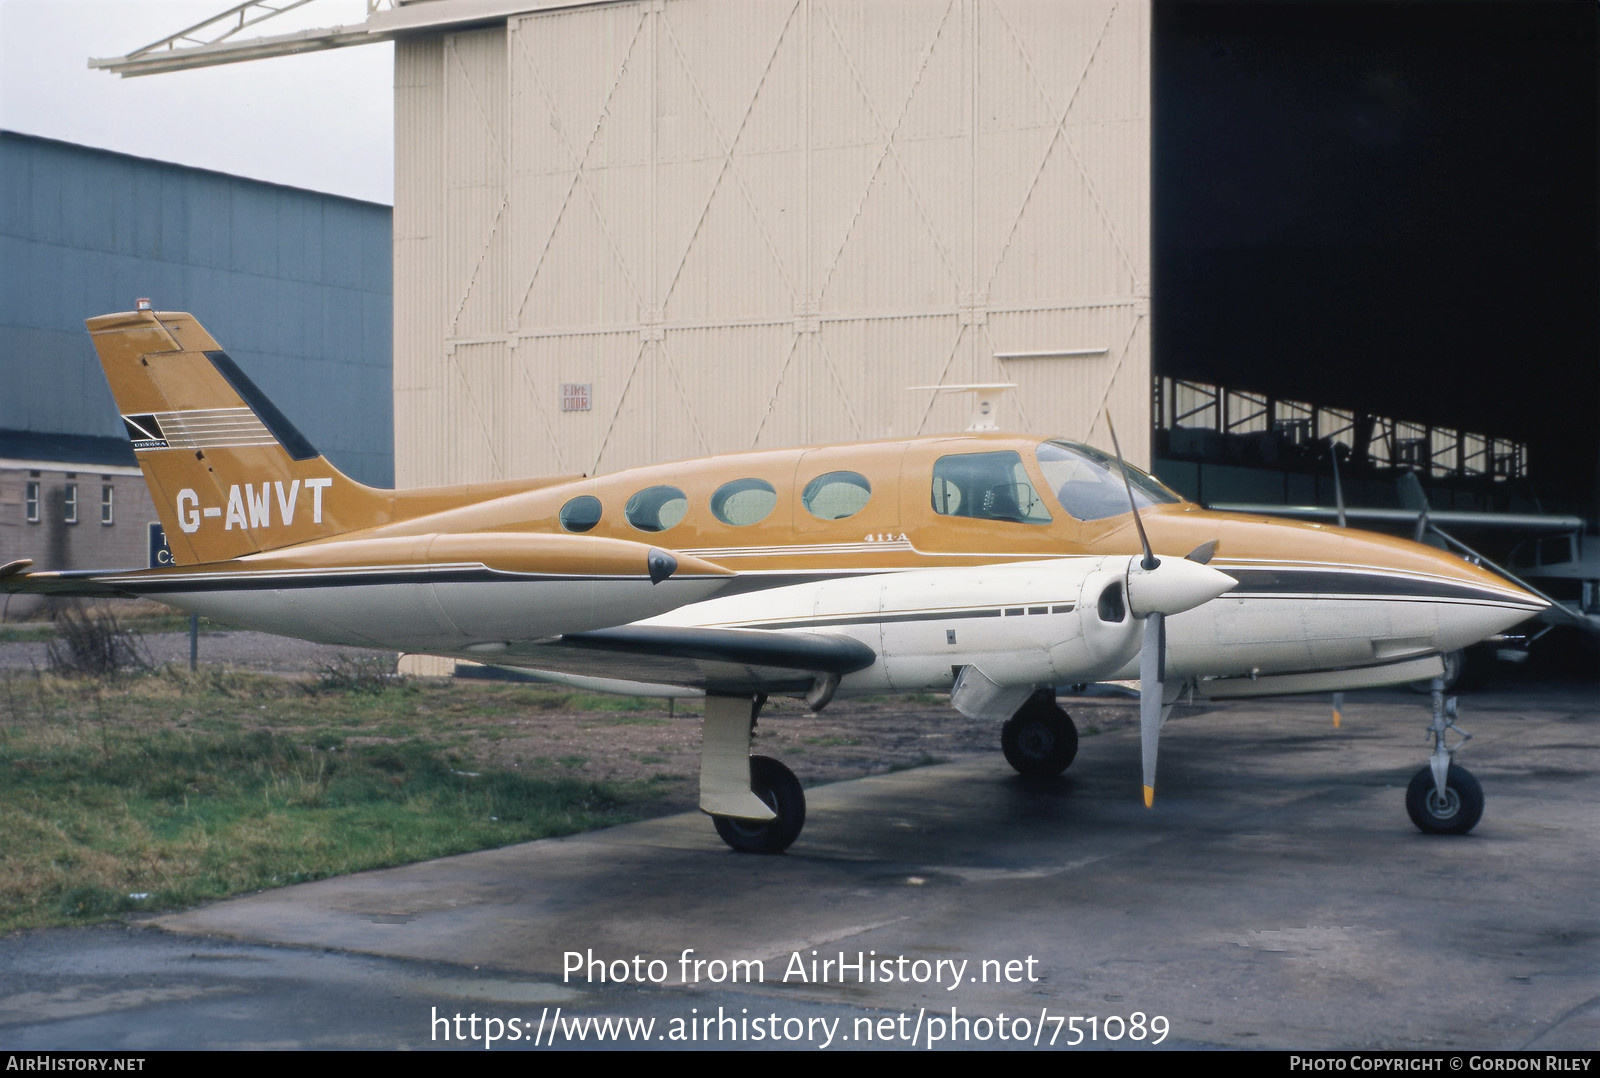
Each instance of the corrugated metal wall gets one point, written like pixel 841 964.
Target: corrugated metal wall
pixel 757 224
pixel 295 284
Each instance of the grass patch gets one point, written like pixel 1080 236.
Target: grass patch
pixel 33 632
pixel 171 788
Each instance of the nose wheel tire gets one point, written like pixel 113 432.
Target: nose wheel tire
pixel 1040 740
pixel 1456 813
pixel 781 792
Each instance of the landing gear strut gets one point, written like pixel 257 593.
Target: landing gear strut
pixel 1444 799
pixel 1040 740
pixel 756 804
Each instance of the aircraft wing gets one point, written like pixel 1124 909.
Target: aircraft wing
pixel 679 660
pixel 1529 523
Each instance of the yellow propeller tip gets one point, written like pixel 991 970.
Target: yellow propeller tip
pixel 1149 796
pixel 1336 719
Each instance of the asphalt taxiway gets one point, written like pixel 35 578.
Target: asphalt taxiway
pixel 1275 897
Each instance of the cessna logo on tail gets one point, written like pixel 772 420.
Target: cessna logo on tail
pixel 258 504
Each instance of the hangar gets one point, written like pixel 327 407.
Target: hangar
pixel 636 230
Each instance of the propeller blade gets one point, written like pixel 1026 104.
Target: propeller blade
pixel 1338 500
pixel 1203 553
pixel 1152 691
pixel 1338 487
pixel 1144 540
pixel 1413 498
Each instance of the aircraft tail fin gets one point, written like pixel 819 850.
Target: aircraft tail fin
pixel 229 474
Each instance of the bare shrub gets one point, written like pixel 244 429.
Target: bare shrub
pixel 345 674
pixel 91 642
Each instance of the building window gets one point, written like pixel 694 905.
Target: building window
pixel 70 504
pixel 31 501
pixel 107 499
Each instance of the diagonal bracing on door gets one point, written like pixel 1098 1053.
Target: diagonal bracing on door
pixel 1059 136
pixel 889 134
pixel 578 161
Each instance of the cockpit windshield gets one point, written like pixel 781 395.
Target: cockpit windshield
pixel 1088 483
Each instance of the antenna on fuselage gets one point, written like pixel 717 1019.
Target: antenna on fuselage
pixel 984 406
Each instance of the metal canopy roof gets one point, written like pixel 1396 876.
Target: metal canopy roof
pixel 217 40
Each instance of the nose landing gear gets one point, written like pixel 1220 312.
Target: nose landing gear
pixel 1444 799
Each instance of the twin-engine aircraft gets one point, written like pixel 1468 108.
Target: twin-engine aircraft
pixel 993 567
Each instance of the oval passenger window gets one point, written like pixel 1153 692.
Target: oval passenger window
pixel 581 513
pixel 836 495
pixel 744 501
pixel 655 509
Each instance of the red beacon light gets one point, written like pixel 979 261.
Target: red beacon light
pixel 142 304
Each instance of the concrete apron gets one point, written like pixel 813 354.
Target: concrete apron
pixel 1277 895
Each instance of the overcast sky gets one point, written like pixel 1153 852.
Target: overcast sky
pixel 323 121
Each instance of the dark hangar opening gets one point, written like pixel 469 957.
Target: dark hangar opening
pixel 1387 208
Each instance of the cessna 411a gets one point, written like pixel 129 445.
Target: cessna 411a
pixel 993 567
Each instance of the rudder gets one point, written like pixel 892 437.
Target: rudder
pixel 230 475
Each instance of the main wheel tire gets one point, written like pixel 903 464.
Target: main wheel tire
pixel 1456 814
pixel 1040 740
pixel 781 792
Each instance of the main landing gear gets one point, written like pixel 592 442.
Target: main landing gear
pixel 778 789
pixel 1444 799
pixel 1040 740
pixel 756 804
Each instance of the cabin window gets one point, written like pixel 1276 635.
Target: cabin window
pixel 655 509
pixel 987 486
pixel 836 495
pixel 31 501
pixel 744 501
pixel 581 513
pixel 1089 485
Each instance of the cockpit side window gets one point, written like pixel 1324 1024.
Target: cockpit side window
pixel 987 486
pixel 1088 483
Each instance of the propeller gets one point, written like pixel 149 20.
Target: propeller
pixel 1338 501
pixel 1157 588
pixel 1412 497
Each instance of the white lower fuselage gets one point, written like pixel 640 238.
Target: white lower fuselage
pixel 1032 623
pixel 1041 623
